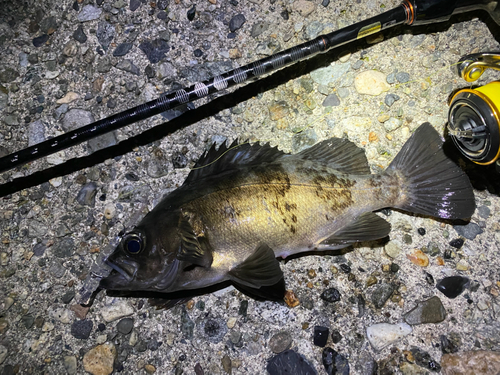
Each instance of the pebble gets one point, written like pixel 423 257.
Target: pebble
pixel 278 110
pixel 150 369
pixel 330 295
pixel 68 296
pixel 482 362
pixel 105 34
pixel 371 82
pixel 36 132
pixel 154 50
pixel 99 360
pixel 70 364
pixel 384 334
pixel 402 77
pixel 128 66
pixel 81 329
pixel 313 30
pixel 469 231
pixel 380 294
pixel 423 359
pixel 236 22
pixel 89 13
pixel 452 286
pixel 40 40
pixel 226 364
pixel 79 35
pixel 289 362
pixel 259 28
pixel 64 248
pixel 457 243
pixel 428 311
pixel 393 249
pixel 231 322
pixel 280 342
pixel 390 99
pixel 125 326
pixel 330 74
pixel 336 336
pixel 334 362
pixel 483 211
pixel 118 309
pixel 62 314
pixel 86 195
pixel 320 336
pixel 419 258
pixel 187 325
pixel 304 7
pixel 331 100
pixel 134 5
pixel 392 124
pixel 68 98
pixel 122 49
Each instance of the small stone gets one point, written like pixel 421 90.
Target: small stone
pixel 100 359
pixel 290 299
pixel 289 362
pixel 469 231
pixel 390 99
pixel 191 13
pixel 334 362
pixel 450 344
pixel 320 336
pixel 89 13
pixel 79 35
pixel 330 295
pixel 259 28
pixel 68 296
pixel 150 369
pixel 118 309
pixel 380 294
pixel 336 336
pixel 304 7
pixel 81 329
pixel 3 353
pixel 134 5
pixel 70 364
pixel 421 231
pixel 154 50
pixel 236 22
pixel 68 98
pixel 392 124
pixel 86 195
pixel 428 311
pixel 231 322
pixel 40 40
pixel 122 49
pixel 278 110
pixel 392 249
pixel 457 243
pixel 128 66
pixel 423 359
pixel 125 326
pixel 280 342
pixel 330 74
pixel 331 100
pixel 226 364
pixel 371 82
pixel 419 258
pixel 384 334
pixel 482 362
pixel 28 321
pixel 402 77
pixel 452 286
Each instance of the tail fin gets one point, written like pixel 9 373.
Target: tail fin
pixel 432 184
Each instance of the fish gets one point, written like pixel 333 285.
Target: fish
pixel 243 206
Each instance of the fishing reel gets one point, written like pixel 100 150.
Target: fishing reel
pixel 474 114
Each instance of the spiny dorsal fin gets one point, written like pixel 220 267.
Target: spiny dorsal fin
pixel 258 270
pixel 337 153
pixel 231 157
pixel 367 227
pixel 194 250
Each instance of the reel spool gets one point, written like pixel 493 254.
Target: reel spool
pixel 474 114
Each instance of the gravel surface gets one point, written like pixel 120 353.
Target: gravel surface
pixel 386 305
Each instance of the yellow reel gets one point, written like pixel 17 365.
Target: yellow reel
pixel 474 115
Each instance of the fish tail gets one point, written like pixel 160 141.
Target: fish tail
pixel 431 183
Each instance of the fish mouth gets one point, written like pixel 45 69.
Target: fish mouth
pixel 123 273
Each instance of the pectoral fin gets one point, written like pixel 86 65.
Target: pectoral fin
pixel 258 270
pixel 194 250
pixel 367 227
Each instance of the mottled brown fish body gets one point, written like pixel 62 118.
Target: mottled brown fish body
pixel 243 206
pixel 290 207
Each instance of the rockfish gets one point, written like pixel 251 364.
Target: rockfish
pixel 243 206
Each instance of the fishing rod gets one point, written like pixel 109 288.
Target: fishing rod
pixel 410 12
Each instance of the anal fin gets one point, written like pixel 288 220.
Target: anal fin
pixel 258 270
pixel 367 227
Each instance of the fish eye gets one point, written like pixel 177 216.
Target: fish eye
pixel 133 243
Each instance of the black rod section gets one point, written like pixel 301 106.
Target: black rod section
pixel 320 44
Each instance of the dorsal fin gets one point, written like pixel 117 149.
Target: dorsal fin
pixel 338 153
pixel 231 157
